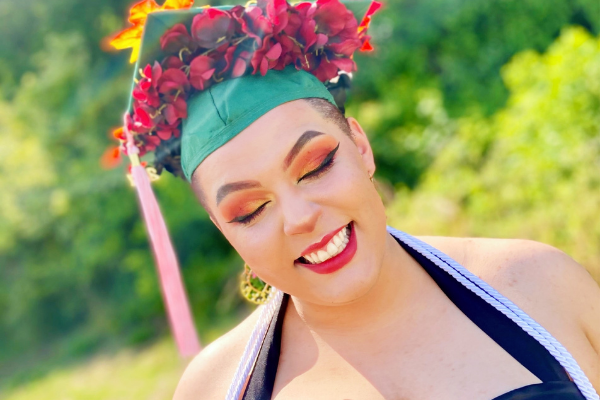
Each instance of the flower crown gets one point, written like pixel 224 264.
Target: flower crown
pixel 219 44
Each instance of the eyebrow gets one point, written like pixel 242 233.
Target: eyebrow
pixel 300 143
pixel 242 185
pixel 233 187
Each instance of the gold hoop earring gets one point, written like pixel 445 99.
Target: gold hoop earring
pixel 253 288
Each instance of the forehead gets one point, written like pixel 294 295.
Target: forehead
pixel 262 146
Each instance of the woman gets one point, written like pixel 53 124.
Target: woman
pixel 373 324
pixel 361 311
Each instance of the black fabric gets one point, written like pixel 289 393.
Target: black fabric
pixel 262 381
pixel 524 348
pixel 560 390
pixel 555 385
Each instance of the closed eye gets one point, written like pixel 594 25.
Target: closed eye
pixel 325 165
pixel 246 219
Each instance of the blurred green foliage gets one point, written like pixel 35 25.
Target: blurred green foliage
pixel 532 169
pixel 76 273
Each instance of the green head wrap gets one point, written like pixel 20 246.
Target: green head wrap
pixel 219 113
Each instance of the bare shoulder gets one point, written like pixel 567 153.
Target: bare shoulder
pixel 544 282
pixel 209 374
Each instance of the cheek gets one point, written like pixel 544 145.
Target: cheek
pixel 345 186
pixel 263 247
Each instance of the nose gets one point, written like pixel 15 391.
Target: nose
pixel 299 215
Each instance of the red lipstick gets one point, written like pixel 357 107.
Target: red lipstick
pixel 337 262
pixel 314 247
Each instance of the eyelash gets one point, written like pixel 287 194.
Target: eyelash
pixel 246 219
pixel 325 165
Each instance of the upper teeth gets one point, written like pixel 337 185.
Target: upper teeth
pixel 334 247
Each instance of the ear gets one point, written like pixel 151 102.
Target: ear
pixel 362 144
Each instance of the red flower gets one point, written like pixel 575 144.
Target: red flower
pixel 172 62
pixel 241 64
pixel 253 23
pixel 347 41
pixel 166 131
pixel 177 38
pixel 175 111
pixel 332 16
pixel 145 90
pixel 173 84
pixel 223 64
pixel 148 143
pixel 212 28
pixel 141 119
pixel 276 12
pixel 266 58
pixel 202 69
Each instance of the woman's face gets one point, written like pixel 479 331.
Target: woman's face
pixel 283 187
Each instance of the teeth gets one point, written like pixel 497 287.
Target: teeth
pixel 323 256
pixel 335 246
pixel 337 240
pixel 332 249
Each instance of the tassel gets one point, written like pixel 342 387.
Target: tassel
pixel 173 290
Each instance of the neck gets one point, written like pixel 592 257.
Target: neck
pixel 397 286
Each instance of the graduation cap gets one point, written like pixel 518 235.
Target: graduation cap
pixel 204 74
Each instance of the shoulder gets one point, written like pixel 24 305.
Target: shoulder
pixel 210 373
pixel 544 282
pixel 524 267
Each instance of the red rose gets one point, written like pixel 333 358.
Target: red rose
pixel 175 39
pixel 212 28
pixel 202 69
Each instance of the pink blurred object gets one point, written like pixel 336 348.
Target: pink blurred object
pixel 173 290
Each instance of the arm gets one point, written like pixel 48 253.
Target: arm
pixel 210 373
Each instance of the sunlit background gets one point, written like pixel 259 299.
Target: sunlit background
pixel 485 120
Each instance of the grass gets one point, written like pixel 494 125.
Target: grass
pixel 148 374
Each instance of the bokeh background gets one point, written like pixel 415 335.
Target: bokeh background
pixel 485 120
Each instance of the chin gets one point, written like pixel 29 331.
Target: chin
pixel 349 284
pixel 347 291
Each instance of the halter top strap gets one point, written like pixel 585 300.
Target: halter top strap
pixel 491 318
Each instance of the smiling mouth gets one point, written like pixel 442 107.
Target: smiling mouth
pixel 335 246
pixel 333 255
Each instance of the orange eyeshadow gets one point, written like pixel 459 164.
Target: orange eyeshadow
pixel 242 203
pixel 312 155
